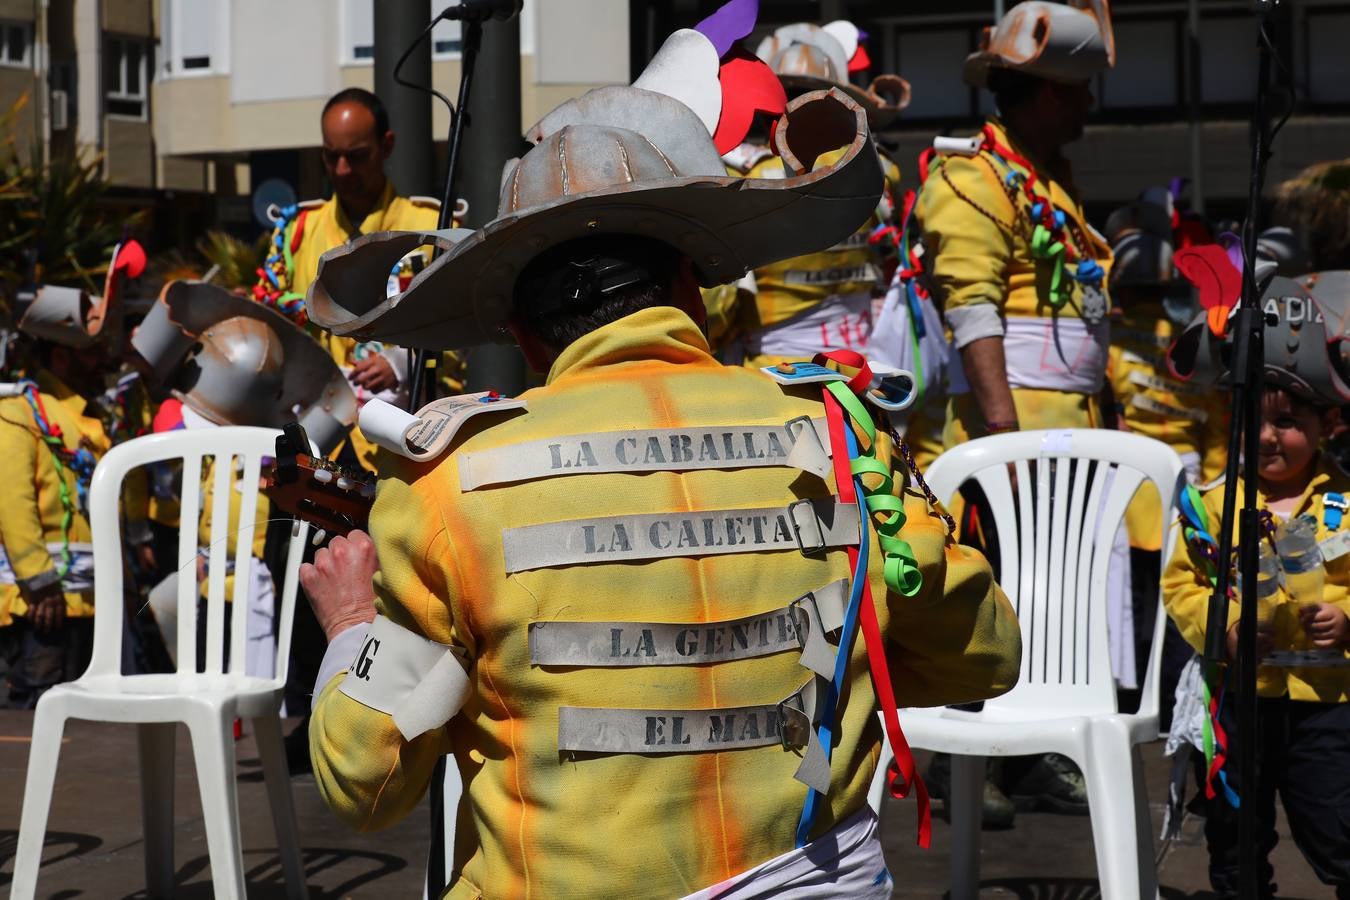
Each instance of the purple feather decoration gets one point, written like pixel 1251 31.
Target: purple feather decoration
pixel 733 21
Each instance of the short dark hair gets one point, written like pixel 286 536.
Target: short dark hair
pixel 546 301
pixel 1012 88
pixel 361 97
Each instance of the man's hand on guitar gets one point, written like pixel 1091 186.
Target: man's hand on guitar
pixel 339 583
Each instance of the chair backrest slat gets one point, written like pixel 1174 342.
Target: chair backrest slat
pixel 249 471
pixel 221 446
pixel 189 511
pixel 1056 534
pixel 217 561
pixel 1075 512
pixel 1060 628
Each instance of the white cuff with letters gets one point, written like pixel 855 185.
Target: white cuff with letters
pixel 421 683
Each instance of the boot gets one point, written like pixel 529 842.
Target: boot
pixel 997 812
pixel 1052 783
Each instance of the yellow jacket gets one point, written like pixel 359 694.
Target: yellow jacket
pixel 326 227
pixel 1188 418
pixel 1186 590
pixel 32 513
pixel 1191 419
pixel 537 822
pixel 977 234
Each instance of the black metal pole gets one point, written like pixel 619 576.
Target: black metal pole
pixel 1243 444
pixel 491 137
pixel 423 382
pixel 1253 366
pixel 397 26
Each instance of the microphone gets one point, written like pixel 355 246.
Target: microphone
pixel 482 10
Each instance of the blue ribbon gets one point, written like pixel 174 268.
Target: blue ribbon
pixel 841 658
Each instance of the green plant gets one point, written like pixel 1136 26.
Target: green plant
pixel 54 221
pixel 237 260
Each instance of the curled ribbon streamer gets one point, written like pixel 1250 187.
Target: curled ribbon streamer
pixel 1044 246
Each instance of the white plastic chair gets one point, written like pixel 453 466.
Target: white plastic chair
pixel 207 702
pixel 1055 534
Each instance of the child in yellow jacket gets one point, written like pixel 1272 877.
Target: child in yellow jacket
pixel 1303 715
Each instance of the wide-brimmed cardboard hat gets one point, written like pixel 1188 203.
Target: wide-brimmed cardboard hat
pixel 1305 345
pixel 809 57
pixel 70 317
pixel 617 160
pixel 237 362
pixel 1057 41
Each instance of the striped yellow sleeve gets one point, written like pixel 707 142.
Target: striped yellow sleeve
pixel 365 771
pixel 1187 589
pixel 968 232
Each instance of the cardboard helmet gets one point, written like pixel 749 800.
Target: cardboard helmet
pixel 237 362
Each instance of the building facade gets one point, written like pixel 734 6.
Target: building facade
pixel 193 103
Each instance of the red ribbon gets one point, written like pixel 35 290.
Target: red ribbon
pixel 901 775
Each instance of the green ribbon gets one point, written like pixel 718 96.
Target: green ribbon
pixel 900 568
pixel 1045 247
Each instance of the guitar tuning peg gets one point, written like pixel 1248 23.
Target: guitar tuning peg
pixel 368 489
pixel 344 482
pixel 318 537
pixel 323 476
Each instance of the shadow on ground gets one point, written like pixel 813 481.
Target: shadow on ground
pixel 74 844
pixel 1077 889
pixel 266 880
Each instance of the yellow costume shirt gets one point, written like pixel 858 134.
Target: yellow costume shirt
pixel 978 236
pixel 539 822
pixel 1186 591
pixel 32 515
pixel 781 297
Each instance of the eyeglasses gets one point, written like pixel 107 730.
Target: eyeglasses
pixel 355 157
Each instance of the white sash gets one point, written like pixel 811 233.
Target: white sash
pixel 1049 354
pixel 839 322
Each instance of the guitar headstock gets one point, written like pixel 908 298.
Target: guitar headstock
pixel 332 498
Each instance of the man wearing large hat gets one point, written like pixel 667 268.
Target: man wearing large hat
pixel 1008 255
pixel 1019 272
pixel 619 598
pixel 51 436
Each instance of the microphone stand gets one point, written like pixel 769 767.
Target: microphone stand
pixel 423 389
pixel 1247 370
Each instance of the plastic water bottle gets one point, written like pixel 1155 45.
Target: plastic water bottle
pixel 1268 596
pixel 1301 559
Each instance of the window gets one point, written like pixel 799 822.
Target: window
pixel 1228 59
pixel 1145 73
pixel 124 70
pixel 932 61
pixel 445 37
pixel 1328 65
pixel 16 39
pixel 196 37
pixel 358 31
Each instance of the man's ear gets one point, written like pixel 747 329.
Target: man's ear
pixel 387 144
pixel 537 354
pixel 686 295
